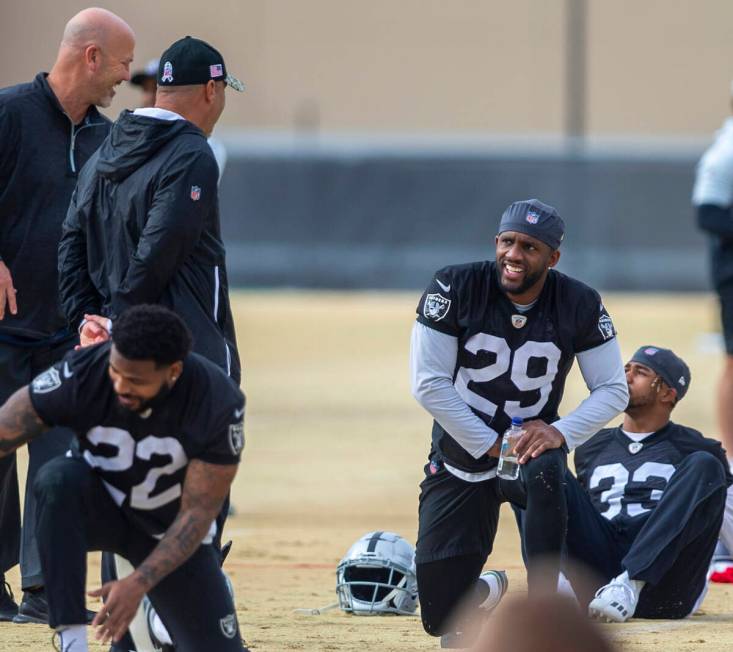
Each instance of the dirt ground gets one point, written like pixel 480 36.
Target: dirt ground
pixel 335 448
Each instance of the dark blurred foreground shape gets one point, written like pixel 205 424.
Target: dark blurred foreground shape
pixel 545 623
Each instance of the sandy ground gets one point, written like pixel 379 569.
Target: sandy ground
pixel 335 447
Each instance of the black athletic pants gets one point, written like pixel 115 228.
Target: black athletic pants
pixel 457 526
pixel 76 515
pixel 669 547
pixel 18 366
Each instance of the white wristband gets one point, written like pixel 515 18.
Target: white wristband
pixel 107 327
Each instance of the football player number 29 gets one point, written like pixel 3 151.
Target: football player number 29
pixel 141 496
pixel 519 365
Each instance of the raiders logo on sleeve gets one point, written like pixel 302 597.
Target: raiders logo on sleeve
pixel 236 437
pixel 605 325
pixel 47 381
pixel 436 307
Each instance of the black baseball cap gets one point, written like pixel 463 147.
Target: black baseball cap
pixel 534 218
pixel 670 367
pixel 193 61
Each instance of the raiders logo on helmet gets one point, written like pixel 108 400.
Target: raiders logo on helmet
pixel 377 576
pixel 436 307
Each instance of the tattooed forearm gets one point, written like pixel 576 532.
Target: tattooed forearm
pixel 178 544
pixel 204 491
pixel 19 422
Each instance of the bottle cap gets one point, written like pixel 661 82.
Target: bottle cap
pixel 517 421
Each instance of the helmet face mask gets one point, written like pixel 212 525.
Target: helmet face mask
pixel 377 576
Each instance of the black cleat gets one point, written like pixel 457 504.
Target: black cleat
pixel 34 608
pixel 8 607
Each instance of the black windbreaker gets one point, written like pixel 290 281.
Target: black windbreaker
pixel 143 227
pixel 40 154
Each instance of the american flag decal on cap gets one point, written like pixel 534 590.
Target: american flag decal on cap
pixel 216 70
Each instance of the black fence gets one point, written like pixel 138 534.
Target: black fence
pixel 329 217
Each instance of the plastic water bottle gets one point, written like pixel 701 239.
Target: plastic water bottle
pixel 508 468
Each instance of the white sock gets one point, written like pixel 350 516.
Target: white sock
pixel 635 585
pixel 494 595
pixel 73 638
pixel 159 630
pixel 565 588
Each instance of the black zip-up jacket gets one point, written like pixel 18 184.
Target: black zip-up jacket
pixel 41 151
pixel 143 227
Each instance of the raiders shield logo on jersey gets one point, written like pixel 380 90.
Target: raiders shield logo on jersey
pixel 236 437
pixel 228 625
pixel 46 382
pixel 436 307
pixel 605 325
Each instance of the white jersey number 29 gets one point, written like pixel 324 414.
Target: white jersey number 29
pixel 519 365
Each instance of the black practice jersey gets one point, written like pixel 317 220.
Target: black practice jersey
pixel 142 457
pixel 509 364
pixel 626 479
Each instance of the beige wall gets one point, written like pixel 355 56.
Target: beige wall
pixel 654 66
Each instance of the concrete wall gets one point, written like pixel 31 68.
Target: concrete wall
pixel 376 140
pixel 654 67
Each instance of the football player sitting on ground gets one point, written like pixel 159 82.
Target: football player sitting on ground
pixel 159 436
pixel 646 507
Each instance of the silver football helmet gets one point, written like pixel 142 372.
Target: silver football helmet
pixel 377 576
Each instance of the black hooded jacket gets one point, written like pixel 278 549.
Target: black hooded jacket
pixel 41 152
pixel 143 227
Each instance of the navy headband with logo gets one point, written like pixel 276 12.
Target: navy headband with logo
pixel 536 219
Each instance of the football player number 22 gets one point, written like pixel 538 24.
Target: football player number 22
pixel 519 364
pixel 141 496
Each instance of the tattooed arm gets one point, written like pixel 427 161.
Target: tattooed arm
pixel 19 422
pixel 204 490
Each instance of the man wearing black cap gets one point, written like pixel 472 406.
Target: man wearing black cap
pixel 646 508
pixel 143 225
pixel 492 341
pixel 146 79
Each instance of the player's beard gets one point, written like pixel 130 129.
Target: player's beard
pixel 638 402
pixel 150 403
pixel 530 279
